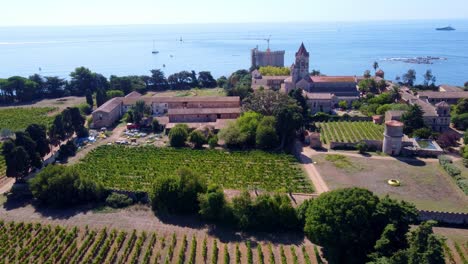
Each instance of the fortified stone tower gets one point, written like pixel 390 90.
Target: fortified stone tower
pixel 300 68
pixel 393 137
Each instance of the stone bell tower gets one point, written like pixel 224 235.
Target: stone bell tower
pixel 300 69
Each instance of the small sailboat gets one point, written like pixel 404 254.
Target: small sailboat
pixel 154 50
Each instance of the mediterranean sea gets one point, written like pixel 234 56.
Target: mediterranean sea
pixel 341 48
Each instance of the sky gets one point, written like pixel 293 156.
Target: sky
pixel 124 12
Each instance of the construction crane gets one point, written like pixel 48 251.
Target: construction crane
pixel 268 42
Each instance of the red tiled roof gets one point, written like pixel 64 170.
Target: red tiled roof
pixel 394 123
pixel 194 99
pixel 333 78
pixel 201 111
pixel 110 105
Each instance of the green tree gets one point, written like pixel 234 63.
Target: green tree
pixel 368 85
pixel 22 139
pixel 54 86
pixel 81 80
pixel 395 93
pixel 460 121
pixel 177 194
pixel 298 95
pixel 413 119
pixel 213 204
pixel 178 135
pixel 62 186
pixel 139 110
pixel 423 132
pixel 461 107
pixel 158 81
pixel 424 246
pixel 16 159
pixel 274 71
pixel 465 137
pixel 197 138
pixel 429 78
pixel 38 134
pixel 155 125
pixel 89 98
pixel 266 137
pixel 348 223
pixel 375 65
pixel 242 209
pixel 288 121
pixel 206 80
pixel 343 104
pixel 101 97
pixel 362 147
pixel 367 74
pixel 409 77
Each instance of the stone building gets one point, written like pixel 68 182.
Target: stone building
pixel 320 102
pixel 393 138
pixel 436 116
pixel 342 87
pixel 266 58
pixel 108 113
pixel 177 109
pixel 437 97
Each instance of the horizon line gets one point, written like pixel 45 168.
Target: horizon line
pixel 243 23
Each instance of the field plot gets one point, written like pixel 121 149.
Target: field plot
pixel 36 243
pixel 135 168
pixel 19 118
pixel 423 183
pixel 349 132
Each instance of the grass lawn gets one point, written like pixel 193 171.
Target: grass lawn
pixel 19 118
pixel 424 184
pixel 193 92
pixel 135 168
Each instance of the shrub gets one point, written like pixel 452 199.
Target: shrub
pixel 212 203
pixel 118 200
pixel 62 186
pixel 85 109
pixel 452 170
pixel 197 138
pixel 266 137
pixel 177 194
pixel 443 159
pixel 362 147
pixel 178 135
pixel 423 133
pixel 67 150
pixel 155 126
pixel 213 142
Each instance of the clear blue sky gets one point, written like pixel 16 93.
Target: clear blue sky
pixel 108 12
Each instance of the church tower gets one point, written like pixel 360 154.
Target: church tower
pixel 301 66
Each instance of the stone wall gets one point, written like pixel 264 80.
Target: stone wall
pixel 444 217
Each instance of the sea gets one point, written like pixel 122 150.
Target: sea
pixel 336 48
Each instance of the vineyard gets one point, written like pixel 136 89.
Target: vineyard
pixel 37 243
pixel 349 132
pixel 19 118
pixel 129 168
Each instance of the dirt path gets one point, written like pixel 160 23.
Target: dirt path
pixel 116 133
pixel 309 167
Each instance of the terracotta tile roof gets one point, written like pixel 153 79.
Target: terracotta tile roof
pixel 202 111
pixel 442 95
pixel 133 94
pixel 110 105
pixel 320 96
pixel 449 88
pixel 334 79
pixel 173 99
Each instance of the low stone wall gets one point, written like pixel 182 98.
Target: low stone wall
pixel 444 217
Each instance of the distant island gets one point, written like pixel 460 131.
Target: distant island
pixel 449 28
